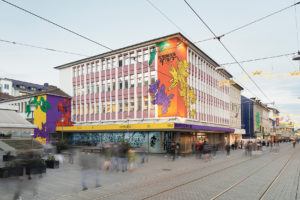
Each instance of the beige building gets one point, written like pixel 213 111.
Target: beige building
pixel 235 113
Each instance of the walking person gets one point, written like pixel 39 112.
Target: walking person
pixel 227 148
pixel 131 159
pixel 294 143
pixel 173 150
pixel 90 164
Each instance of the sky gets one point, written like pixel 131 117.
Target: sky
pixel 120 23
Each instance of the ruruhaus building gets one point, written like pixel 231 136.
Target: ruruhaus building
pixel 150 94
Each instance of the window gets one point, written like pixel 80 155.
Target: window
pixel 152 106
pixel 78 91
pixel 131 104
pixel 97 85
pixel 74 91
pixel 92 89
pixel 139 80
pixel 113 107
pixel 82 109
pixel 97 109
pixel 88 88
pixel 73 110
pixel 146 77
pixel 103 86
pixel 152 77
pixel 6 86
pixel 78 110
pixel 120 84
pixel 126 105
pixel 120 63
pixel 120 106
pixel 103 107
pixel 131 81
pixel 92 108
pixel 126 83
pixel 145 102
pixel 108 107
pixel 139 104
pixel 88 109
pixel 113 85
pixel 82 90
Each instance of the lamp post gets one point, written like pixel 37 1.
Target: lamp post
pixel 32 106
pixel 62 129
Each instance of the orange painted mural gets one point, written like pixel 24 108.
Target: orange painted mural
pixel 172 92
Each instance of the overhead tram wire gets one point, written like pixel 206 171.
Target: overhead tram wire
pixel 219 39
pixel 258 59
pixel 163 14
pixel 55 24
pixel 44 48
pixel 250 23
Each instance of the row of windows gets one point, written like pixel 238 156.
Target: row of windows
pixel 112 63
pixel 111 85
pixel 110 106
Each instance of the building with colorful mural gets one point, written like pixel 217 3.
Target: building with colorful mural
pixel 150 94
pixel 51 109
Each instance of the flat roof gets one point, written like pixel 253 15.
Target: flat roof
pixel 142 44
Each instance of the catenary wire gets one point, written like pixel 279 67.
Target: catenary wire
pixel 171 21
pixel 248 24
pixel 258 59
pixel 227 50
pixel 55 24
pixel 44 48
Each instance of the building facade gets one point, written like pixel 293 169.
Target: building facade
pixel 150 94
pixel 235 113
pixel 255 119
pixel 50 109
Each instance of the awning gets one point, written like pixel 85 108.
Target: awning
pixel 146 126
pixel 267 134
pixel 239 131
pixel 11 119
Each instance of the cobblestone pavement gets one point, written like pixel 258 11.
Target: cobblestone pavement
pixel 240 176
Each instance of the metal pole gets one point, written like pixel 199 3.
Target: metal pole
pixel 249 120
pixel 62 131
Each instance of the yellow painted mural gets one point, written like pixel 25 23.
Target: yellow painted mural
pixel 40 116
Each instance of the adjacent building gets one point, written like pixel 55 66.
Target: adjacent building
pixel 149 94
pixel 255 119
pixel 46 110
pixel 19 88
pixel 235 113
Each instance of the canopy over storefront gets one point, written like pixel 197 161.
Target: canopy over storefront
pixel 11 122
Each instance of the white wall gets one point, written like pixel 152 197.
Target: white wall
pixel 6 91
pixel 65 80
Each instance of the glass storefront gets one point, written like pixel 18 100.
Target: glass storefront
pixel 150 140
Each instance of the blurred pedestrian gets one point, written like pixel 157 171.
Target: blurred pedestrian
pixel 114 158
pixel 131 159
pixel 143 154
pixel 227 148
pixel 91 165
pixel 294 143
pixel 173 150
